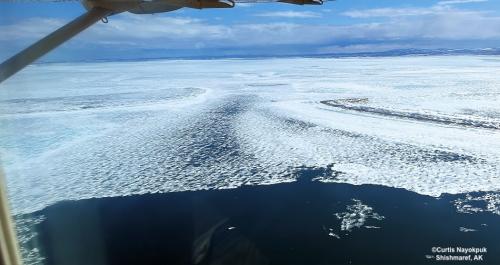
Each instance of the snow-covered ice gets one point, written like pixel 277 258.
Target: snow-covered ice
pixel 356 216
pixel 82 130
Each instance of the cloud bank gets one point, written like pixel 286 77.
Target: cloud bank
pixel 440 25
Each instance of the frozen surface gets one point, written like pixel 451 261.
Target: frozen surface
pixel 356 216
pixel 479 203
pixel 74 131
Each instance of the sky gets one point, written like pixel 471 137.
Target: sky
pixel 341 26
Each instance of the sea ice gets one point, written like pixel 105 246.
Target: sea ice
pixel 82 130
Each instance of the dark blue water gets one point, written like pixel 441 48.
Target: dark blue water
pixel 290 223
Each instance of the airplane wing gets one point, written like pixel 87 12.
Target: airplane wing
pixel 100 10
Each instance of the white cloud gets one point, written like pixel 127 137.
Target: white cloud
pixel 441 8
pixel 405 25
pixel 29 28
pixel 163 31
pixel 290 14
pixel 244 4
pixel 441 21
pixel 388 12
pixel 455 2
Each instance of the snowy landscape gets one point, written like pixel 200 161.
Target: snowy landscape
pixel 148 137
pixel 428 124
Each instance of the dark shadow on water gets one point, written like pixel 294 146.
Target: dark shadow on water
pixel 290 223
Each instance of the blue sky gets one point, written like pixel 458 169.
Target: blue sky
pixel 341 26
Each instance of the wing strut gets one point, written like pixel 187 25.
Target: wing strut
pixel 56 38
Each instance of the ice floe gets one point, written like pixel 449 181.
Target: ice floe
pixel 356 216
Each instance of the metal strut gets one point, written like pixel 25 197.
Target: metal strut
pixel 56 38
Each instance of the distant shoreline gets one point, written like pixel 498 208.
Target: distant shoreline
pixel 383 54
